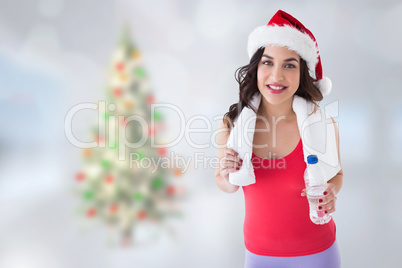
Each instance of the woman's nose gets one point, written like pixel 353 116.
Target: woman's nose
pixel 277 74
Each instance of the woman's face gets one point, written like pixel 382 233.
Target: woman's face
pixel 278 74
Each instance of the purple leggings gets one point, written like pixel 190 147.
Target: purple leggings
pixel 330 258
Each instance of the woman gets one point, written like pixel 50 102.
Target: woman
pixel 277 229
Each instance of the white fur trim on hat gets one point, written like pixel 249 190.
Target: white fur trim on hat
pixel 286 36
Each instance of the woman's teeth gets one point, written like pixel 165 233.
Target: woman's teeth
pixel 276 88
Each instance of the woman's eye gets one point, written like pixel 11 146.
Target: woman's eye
pixel 267 63
pixel 290 66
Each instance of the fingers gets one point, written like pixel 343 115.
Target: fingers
pixel 231 151
pixel 231 162
pixel 328 207
pixel 231 170
pixel 303 193
pixel 228 168
pixel 329 211
pixel 232 155
pixel 224 173
pixel 327 202
pixel 329 194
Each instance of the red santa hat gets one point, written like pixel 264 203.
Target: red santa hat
pixel 284 30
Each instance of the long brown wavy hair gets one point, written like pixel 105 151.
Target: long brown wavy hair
pixel 246 76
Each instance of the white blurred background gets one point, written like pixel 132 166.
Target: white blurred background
pixel 54 55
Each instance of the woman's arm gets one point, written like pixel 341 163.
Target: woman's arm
pixel 223 181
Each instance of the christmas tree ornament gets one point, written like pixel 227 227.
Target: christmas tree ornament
pixel 99 139
pixel 91 212
pixel 80 176
pixel 142 215
pixel 119 66
pixel 122 122
pixel 109 179
pixel 161 151
pixel 106 116
pixel 123 77
pixel 138 196
pixel 128 105
pixel 117 92
pixel 157 116
pixel 151 131
pixel 170 190
pixel 88 195
pixel 136 54
pixel 113 208
pixel 105 163
pixel 150 99
pixel 113 145
pixel 140 154
pixel 139 72
pixel 177 172
pixel 86 152
pixel 157 183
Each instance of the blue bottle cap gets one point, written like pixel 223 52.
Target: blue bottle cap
pixel 312 159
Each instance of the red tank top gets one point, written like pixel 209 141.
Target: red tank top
pixel 277 221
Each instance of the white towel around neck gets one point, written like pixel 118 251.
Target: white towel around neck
pixel 316 131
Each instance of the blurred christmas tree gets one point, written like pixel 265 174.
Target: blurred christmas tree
pixel 121 193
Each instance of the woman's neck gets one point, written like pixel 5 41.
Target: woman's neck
pixel 272 112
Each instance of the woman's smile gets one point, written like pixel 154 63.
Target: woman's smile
pixel 276 88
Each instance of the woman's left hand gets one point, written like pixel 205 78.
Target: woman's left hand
pixel 328 200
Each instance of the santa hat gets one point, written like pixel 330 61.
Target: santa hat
pixel 284 30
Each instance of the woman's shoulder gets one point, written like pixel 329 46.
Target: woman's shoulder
pixel 223 131
pixel 225 124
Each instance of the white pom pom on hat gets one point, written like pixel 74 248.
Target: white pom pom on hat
pixel 285 30
pixel 325 85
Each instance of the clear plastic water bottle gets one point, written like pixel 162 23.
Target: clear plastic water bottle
pixel 315 180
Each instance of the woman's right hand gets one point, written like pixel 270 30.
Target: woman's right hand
pixel 231 162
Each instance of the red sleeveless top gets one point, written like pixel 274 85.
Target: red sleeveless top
pixel 277 221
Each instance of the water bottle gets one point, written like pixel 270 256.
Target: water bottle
pixel 316 183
